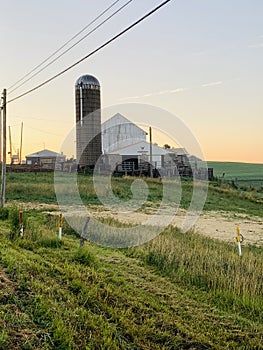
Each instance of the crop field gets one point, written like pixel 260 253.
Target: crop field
pixel 243 174
pixel 177 291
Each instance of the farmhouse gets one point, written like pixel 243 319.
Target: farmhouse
pixel 46 159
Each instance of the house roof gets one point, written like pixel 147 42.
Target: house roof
pixel 45 153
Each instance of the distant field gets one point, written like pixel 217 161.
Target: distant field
pixel 241 173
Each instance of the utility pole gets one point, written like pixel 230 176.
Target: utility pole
pixel 21 143
pixel 151 152
pixel 0 134
pixel 10 145
pixel 4 151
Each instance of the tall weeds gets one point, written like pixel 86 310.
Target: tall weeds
pixel 210 265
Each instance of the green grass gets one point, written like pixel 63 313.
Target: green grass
pixel 221 196
pixel 212 266
pixel 228 198
pixel 245 175
pixel 179 291
pixel 234 170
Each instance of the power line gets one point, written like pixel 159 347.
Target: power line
pixel 93 52
pixel 72 46
pixel 35 118
pixel 43 131
pixel 62 47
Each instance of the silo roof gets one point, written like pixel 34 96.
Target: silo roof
pixel 87 80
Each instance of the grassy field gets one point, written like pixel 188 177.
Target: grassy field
pixel 234 170
pixel 178 291
pixel 163 295
pixel 40 187
pixel 243 174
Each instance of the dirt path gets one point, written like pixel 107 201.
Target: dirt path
pixel 216 224
pixel 221 225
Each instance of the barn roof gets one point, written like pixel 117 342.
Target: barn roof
pixel 119 119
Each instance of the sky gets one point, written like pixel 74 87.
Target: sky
pixel 199 60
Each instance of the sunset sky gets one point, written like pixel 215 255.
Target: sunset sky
pixel 200 60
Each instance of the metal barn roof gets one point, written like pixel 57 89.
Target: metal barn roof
pixel 119 119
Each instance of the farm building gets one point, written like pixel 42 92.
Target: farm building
pixel 136 159
pixel 45 159
pixel 126 151
pixel 118 145
pixel 119 132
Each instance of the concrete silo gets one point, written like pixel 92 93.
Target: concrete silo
pixel 88 120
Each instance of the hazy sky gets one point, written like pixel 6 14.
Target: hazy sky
pixel 200 60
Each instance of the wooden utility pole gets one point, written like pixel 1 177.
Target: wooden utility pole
pixel 0 134
pixel 21 143
pixel 4 151
pixel 10 145
pixel 151 152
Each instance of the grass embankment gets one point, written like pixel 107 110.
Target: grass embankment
pixel 180 291
pixel 40 187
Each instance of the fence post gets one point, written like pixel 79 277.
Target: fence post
pixel 239 239
pixel 21 223
pixel 60 227
pixel 84 232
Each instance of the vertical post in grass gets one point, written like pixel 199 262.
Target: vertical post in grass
pixel 83 236
pixel 3 150
pixel 151 152
pixel 239 239
pixel 60 227
pixel 21 223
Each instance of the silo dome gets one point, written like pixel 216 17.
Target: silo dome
pixel 86 80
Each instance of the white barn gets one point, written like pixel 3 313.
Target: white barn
pixel 141 151
pixel 125 149
pixel 119 132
